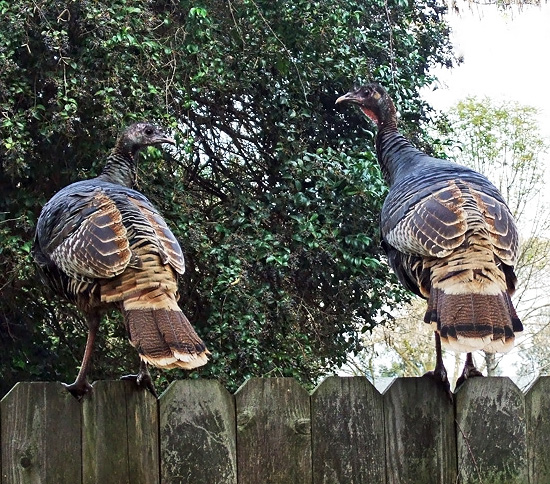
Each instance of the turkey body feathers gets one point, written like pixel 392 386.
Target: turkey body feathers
pixel 448 234
pixel 439 201
pixel 451 239
pixel 86 230
pixel 101 244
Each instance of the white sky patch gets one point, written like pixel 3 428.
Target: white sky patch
pixel 504 58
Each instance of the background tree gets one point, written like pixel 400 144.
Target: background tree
pixel 400 347
pixel 273 194
pixel 504 142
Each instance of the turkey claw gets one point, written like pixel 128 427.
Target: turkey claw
pixel 78 389
pixel 439 376
pixel 142 380
pixel 467 373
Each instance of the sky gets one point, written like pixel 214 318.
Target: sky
pixel 504 58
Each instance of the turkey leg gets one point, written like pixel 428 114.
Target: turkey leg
pixel 439 373
pixel 81 386
pixel 469 370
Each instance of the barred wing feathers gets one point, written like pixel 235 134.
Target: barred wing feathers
pixel 431 217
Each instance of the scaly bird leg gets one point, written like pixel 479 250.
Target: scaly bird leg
pixel 81 386
pixel 469 370
pixel 143 378
pixel 439 373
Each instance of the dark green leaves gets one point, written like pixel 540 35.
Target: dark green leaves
pixel 273 192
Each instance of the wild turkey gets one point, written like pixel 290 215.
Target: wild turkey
pixel 100 244
pixel 450 238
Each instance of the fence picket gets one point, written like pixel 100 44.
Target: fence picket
pixel 273 432
pixel 491 434
pixel 198 441
pixel 40 435
pixel 120 435
pixel 420 433
pixel 537 410
pixel 348 432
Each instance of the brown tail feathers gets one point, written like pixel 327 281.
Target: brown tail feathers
pixel 161 333
pixel 156 326
pixel 471 321
pixel 469 300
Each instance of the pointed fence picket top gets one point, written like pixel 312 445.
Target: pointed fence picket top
pixel 420 433
pixel 273 432
pixel 120 438
pixel 197 426
pixel 347 432
pixel 491 432
pixel 40 435
pixel 537 411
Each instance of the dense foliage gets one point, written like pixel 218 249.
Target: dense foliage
pixel 273 193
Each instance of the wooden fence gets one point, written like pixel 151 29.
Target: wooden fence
pixel 272 431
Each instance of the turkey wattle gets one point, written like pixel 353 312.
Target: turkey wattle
pixel 450 238
pixel 100 245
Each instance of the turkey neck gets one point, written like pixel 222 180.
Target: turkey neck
pixel 120 169
pixel 396 155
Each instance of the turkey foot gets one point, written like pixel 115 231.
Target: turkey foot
pixel 439 373
pixel 78 389
pixel 469 371
pixel 142 379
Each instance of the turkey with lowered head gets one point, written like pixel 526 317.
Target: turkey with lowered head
pixel 450 238
pixel 100 245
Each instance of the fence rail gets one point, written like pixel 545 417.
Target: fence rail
pixel 272 431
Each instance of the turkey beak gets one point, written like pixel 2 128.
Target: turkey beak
pixel 350 97
pixel 167 139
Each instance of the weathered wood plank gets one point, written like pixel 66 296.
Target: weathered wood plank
pixel 40 436
pixel 420 433
pixel 142 423
pixel 120 435
pixel 491 437
pixel 347 421
pixel 537 411
pixel 198 441
pixel 273 432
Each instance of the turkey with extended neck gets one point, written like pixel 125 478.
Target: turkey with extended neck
pixel 100 244
pixel 450 238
